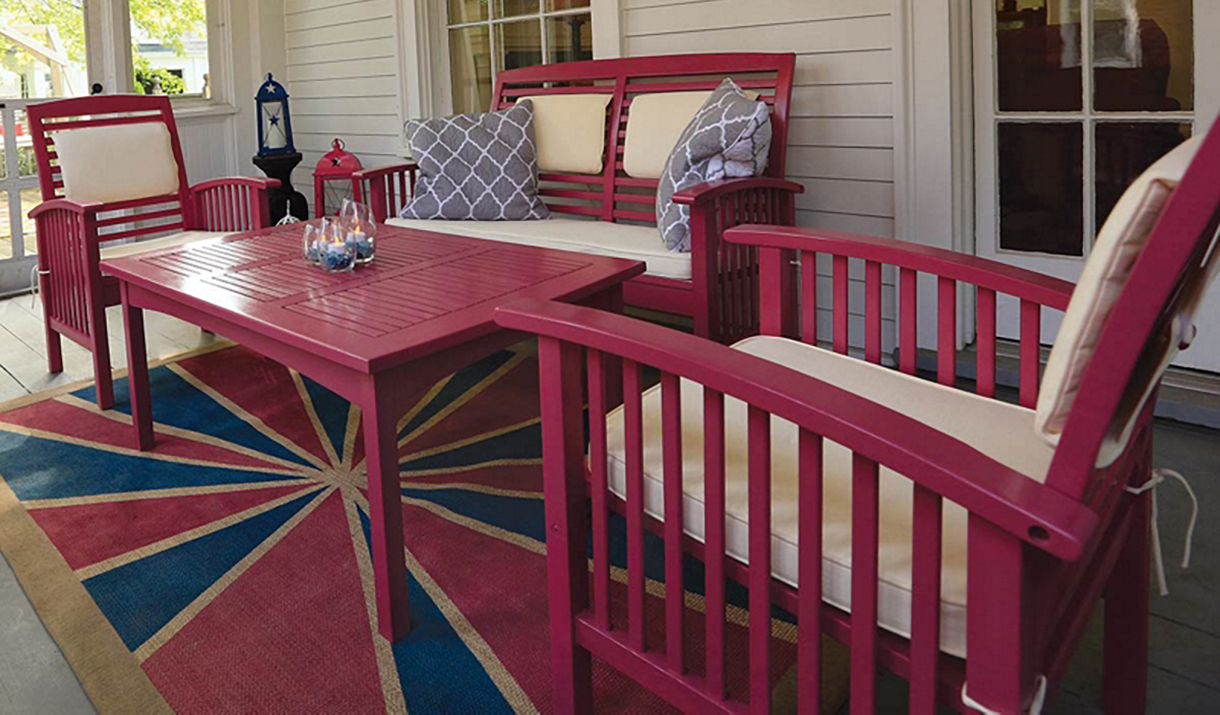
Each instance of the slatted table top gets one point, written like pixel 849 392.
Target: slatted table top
pixel 425 291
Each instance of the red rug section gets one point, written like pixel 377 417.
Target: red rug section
pixel 90 533
pixel 291 634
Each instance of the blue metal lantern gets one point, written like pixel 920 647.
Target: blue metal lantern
pixel 274 122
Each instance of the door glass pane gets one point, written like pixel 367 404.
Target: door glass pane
pixel 512 8
pixel 6 227
pixel 1039 55
pixel 170 48
pixel 26 164
pixel 1124 151
pixel 569 38
pixel 1042 187
pixel 470 64
pixel 1144 55
pixel 554 5
pixel 467 11
pixel 520 44
pixel 42 51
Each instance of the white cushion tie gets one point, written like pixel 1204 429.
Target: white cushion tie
pixel 1158 476
pixel 1035 708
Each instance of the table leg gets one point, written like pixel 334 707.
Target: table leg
pixel 611 300
pixel 385 515
pixel 137 374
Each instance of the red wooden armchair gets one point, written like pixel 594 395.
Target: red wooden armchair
pixel 111 168
pixel 868 502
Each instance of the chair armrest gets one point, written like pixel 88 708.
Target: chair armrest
pixel 254 182
pixel 366 174
pixel 213 209
pixel 1028 510
pixel 992 275
pixel 84 209
pixel 378 188
pixel 707 191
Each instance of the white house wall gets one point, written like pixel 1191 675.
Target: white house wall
pixel 342 74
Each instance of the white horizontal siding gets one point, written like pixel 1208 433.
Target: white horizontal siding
pixel 344 80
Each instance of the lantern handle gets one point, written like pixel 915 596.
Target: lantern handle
pixel 338 144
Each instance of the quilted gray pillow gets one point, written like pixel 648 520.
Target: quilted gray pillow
pixel 476 167
pixel 730 136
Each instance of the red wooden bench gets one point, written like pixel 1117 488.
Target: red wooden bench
pixel 1032 530
pixel 721 295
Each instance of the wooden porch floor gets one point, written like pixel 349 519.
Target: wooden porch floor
pixel 1185 636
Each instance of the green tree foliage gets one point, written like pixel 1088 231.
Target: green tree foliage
pixel 144 72
pixel 169 22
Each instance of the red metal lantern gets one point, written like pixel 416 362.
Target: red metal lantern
pixel 335 167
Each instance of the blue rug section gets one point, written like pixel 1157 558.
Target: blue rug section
pixel 516 514
pixel 142 596
pixel 521 443
pixel 457 386
pixel 39 468
pixel 332 412
pixel 177 403
pixel 438 672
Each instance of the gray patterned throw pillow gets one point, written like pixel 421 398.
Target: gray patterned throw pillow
pixel 476 167
pixel 730 136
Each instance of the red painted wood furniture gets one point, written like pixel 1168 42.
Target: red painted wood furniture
pixel 423 309
pixel 720 296
pixel 71 233
pixel 1033 557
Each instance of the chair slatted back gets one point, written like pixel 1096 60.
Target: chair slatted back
pixel 613 195
pixel 120 219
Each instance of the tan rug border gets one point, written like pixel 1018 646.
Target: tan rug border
pixel 42 395
pixel 107 670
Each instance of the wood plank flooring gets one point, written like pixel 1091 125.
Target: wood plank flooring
pixel 23 350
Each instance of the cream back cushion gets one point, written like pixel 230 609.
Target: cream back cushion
pixel 655 122
pixel 1105 274
pixel 570 131
pixel 117 163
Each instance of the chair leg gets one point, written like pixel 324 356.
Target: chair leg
pixel 1125 659
pixel 55 351
pixel 103 379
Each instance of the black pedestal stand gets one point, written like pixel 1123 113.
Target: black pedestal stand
pixel 284 200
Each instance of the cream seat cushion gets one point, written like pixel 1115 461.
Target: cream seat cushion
pixel 570 132
pixel 1105 274
pixel 600 238
pixel 117 163
pixel 1002 431
pixel 177 239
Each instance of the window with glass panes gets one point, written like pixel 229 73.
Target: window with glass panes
pixel 487 36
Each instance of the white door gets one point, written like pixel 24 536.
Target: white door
pixel 1074 99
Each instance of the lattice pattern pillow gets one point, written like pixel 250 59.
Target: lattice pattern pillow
pixel 476 167
pixel 730 136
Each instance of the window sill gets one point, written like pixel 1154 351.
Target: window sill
pixel 202 109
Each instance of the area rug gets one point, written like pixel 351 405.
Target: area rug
pixel 228 570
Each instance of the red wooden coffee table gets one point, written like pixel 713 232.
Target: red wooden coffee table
pixel 423 309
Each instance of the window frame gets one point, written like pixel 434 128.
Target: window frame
pixel 427 89
pixel 109 44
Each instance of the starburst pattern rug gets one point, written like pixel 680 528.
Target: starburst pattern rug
pixel 228 570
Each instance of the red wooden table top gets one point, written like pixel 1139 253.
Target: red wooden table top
pixel 425 291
